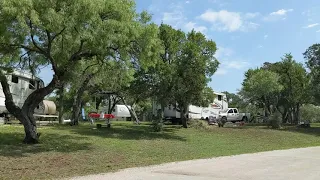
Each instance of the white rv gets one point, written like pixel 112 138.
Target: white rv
pixel 21 86
pixel 196 112
pixel 120 111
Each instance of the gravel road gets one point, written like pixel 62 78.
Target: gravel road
pixel 293 164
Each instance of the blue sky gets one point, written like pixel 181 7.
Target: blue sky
pixel 247 32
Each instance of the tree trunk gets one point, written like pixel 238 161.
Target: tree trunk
pixel 111 104
pixel 131 110
pixel 25 113
pixel 76 107
pixel 183 116
pixel 98 102
pixel 284 114
pixel 297 114
pixel 31 135
pixel 290 116
pixel 60 110
pixel 285 117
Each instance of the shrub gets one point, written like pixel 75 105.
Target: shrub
pixel 157 125
pixel 199 124
pixel 310 113
pixel 275 121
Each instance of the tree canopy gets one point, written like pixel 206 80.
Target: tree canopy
pixel 65 34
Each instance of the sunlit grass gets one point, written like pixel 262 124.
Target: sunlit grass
pixel 70 151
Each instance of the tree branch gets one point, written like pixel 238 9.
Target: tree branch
pixel 32 37
pixel 84 71
pixel 58 34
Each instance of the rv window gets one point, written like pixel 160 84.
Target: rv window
pixel 15 79
pixel 219 97
pixel 230 111
pixel 235 111
pixel 32 84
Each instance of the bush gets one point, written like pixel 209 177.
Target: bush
pixel 310 113
pixel 157 125
pixel 275 121
pixel 199 124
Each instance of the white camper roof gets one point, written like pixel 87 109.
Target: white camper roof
pixel 25 75
pixel 218 93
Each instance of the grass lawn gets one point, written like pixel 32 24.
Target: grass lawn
pixel 71 151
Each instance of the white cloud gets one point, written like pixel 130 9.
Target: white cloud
pixel 187 2
pixel 311 25
pixel 191 25
pixel 223 52
pixel 221 71
pixel 229 66
pixel 227 21
pixel 265 36
pixel 307 13
pixel 260 46
pixel 228 63
pixel 175 17
pixel 230 21
pixel 237 64
pixel 277 15
pixel 281 12
pixel 250 26
pixel 318 30
pixel 172 18
pixel 251 15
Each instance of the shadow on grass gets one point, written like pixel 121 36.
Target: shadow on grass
pixel 11 144
pixel 313 130
pixel 310 131
pixel 129 132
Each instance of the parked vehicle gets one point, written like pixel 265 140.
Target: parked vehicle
pixel 21 86
pixel 120 112
pixel 233 115
pixel 173 113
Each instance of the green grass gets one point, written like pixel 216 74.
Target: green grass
pixel 71 151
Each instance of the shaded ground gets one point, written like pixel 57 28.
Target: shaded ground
pixel 70 151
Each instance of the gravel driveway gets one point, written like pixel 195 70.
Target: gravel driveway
pixel 293 164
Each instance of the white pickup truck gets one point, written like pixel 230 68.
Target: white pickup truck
pixel 233 115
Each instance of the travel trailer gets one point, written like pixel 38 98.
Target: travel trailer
pixel 196 112
pixel 120 112
pixel 21 86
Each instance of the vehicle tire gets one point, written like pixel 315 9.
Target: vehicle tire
pixel 245 119
pixel 201 118
pixel 207 119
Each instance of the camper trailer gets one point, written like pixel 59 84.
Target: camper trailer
pixel 120 112
pixel 21 86
pixel 195 112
